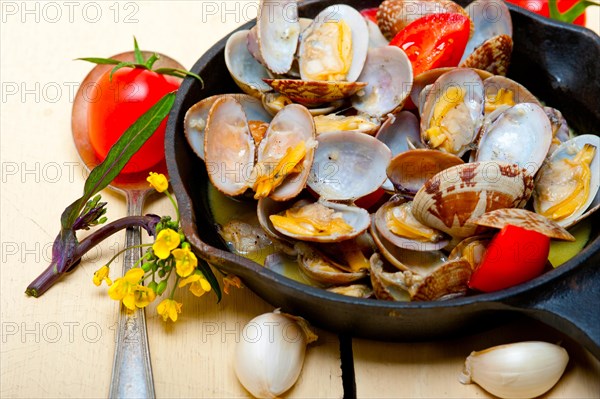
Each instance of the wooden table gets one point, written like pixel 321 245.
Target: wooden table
pixel 61 345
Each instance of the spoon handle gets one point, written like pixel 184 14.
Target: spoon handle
pixel 132 369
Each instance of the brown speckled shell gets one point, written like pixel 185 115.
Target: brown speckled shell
pixel 394 15
pixel 492 56
pixel 452 199
pixel 448 281
pixel 313 92
pixel 525 219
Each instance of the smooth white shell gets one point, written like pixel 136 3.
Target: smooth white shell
pixel 245 70
pixel 491 18
pixel 278 33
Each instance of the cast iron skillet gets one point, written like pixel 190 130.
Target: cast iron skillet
pixel 555 61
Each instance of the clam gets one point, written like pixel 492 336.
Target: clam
pixel 285 155
pixel 389 75
pixel 520 135
pixel 387 285
pixel 453 111
pixel 502 91
pixel 471 249
pixel 528 220
pixel 278 32
pixel 566 187
pixel 353 290
pixel 376 38
pixel 395 15
pixel 395 222
pixel 321 221
pixel 313 93
pixel 453 198
pixel 274 102
pixel 493 55
pixel 245 70
pixel 353 123
pixel 348 165
pixel 409 170
pixel 320 268
pixel 428 78
pixel 560 128
pixel 197 116
pixel 334 47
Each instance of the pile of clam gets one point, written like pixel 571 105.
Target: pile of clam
pixel 333 117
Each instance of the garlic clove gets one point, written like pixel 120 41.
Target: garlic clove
pixel 519 370
pixel 269 357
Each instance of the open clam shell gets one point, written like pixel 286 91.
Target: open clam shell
pixel 324 270
pixel 409 170
pixel 389 75
pixel 520 135
pixel 245 70
pixel 228 146
pixel 353 123
pixel 353 290
pixel 560 128
pixel 274 102
pixel 453 111
pixel 376 38
pixel 321 56
pixel 291 126
pixel 452 199
pixel 348 165
pixel 402 210
pixel 446 282
pixel 491 18
pixel 387 285
pixel 196 117
pixel 528 220
pixel 500 90
pixel 560 178
pixel 278 32
pixel 357 218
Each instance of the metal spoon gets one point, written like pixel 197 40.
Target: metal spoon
pixel 132 369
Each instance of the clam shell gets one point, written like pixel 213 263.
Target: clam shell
pixel 528 220
pixel 410 170
pixel 196 117
pixel 395 15
pixel 380 224
pixel 289 127
pixel 360 39
pixel 428 78
pixel 520 94
pixel 389 75
pixel 447 282
pixel 418 262
pixel 245 70
pixel 376 38
pixel 312 93
pixel 493 55
pixel 356 217
pixel 520 135
pixel 320 268
pixel 274 102
pixel 387 286
pixel 466 121
pixel 228 146
pixel 453 198
pixel 278 33
pixel 348 165
pixel 354 290
pixel 567 150
pixel 560 128
pixel 491 18
pixel 354 123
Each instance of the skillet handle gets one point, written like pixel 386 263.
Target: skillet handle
pixel 569 304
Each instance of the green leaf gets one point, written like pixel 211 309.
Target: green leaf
pixel 129 143
pixel 123 65
pixel 150 62
pixel 139 57
pixel 100 61
pixel 210 277
pixel 180 73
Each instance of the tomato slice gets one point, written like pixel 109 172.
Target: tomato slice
pixel 434 41
pixel 515 255
pixel 370 13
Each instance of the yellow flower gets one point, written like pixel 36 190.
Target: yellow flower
pixel 143 296
pixel 185 261
pixel 169 309
pixel 165 242
pixel 231 281
pixel 125 288
pixel 199 285
pixel 101 275
pixel 158 181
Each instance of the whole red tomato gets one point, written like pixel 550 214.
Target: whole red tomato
pixel 118 102
pixel 514 256
pixel 434 41
pixel 541 7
